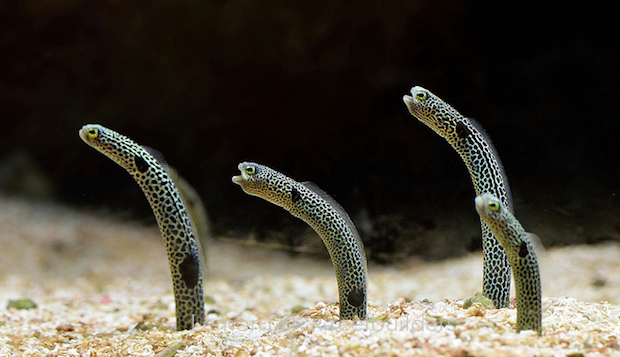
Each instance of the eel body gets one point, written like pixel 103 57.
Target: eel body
pixel 196 209
pixel 476 150
pixel 522 257
pixel 327 218
pixel 171 215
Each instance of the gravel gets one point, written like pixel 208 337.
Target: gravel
pixel 102 287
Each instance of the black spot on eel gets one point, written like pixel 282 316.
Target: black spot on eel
pixel 520 252
pixel 469 140
pixel 327 218
pixel 170 213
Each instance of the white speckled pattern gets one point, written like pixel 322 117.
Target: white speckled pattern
pixel 171 215
pixel 522 257
pixel 487 174
pixel 327 218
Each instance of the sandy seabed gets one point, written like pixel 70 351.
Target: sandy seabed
pixel 102 288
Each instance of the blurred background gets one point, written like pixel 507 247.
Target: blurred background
pixel 314 90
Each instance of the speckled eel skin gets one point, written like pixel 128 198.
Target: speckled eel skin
pixel 327 218
pixel 170 213
pixel 518 246
pixel 467 137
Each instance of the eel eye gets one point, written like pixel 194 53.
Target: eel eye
pixel 421 95
pixel 250 170
pixel 93 133
pixel 493 205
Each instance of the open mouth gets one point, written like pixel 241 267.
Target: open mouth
pixel 83 134
pixel 409 102
pixel 479 203
pixel 237 179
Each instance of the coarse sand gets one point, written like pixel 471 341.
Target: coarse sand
pixel 102 288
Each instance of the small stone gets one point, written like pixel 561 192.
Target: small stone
pixel 209 300
pixel 21 304
pixel 297 309
pixel 442 321
pixel 66 327
pixel 476 309
pixel 143 326
pixel 479 298
pixel 171 349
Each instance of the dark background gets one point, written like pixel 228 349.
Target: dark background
pixel 313 89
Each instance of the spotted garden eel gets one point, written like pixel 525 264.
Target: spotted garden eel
pixel 469 140
pixel 195 207
pixel 520 251
pixel 330 221
pixel 171 215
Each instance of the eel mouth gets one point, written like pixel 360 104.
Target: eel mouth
pixel 83 134
pixel 410 103
pixel 237 179
pixel 479 202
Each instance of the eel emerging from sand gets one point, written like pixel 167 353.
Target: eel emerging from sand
pixel 471 143
pixel 172 217
pixel 519 249
pixel 327 218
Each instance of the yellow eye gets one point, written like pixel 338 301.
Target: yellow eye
pixel 493 205
pixel 93 133
pixel 250 170
pixel 421 95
